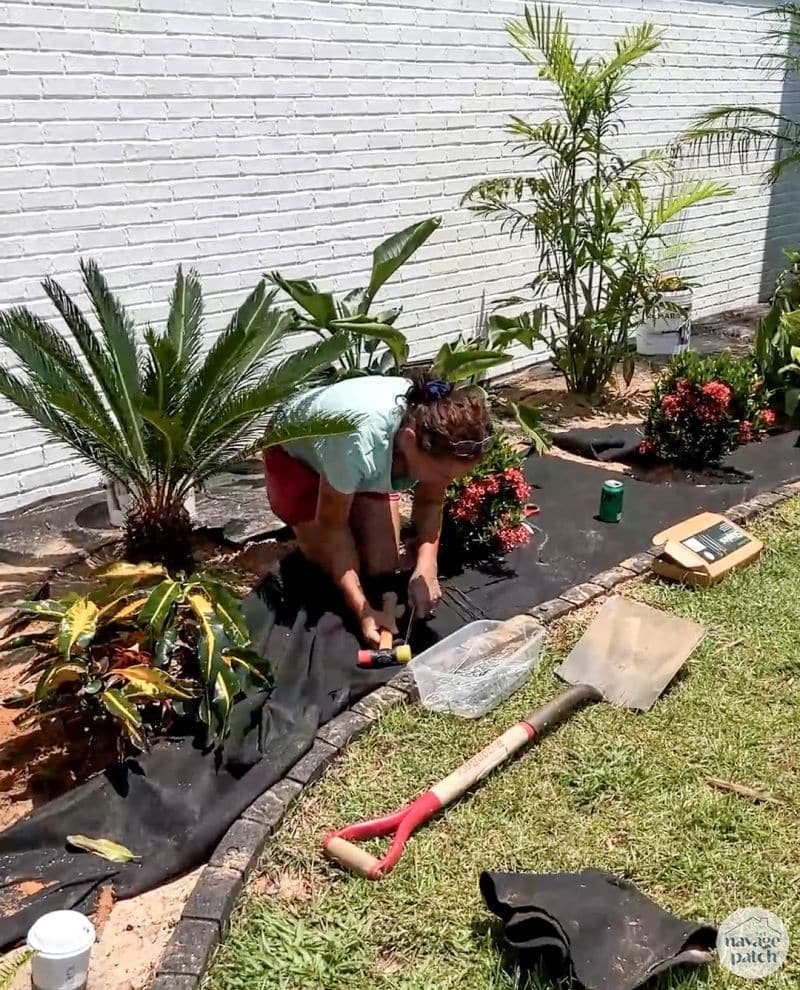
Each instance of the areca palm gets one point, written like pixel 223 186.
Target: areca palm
pixel 152 411
pixel 749 132
pixel 586 208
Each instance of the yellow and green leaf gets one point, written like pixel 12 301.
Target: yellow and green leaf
pixel 45 609
pixel 78 626
pixel 105 848
pixel 126 713
pixel 154 683
pixel 227 607
pixel 129 608
pixel 123 569
pixel 58 673
pixel 212 636
pixel 159 604
pixel 226 687
pixel 251 667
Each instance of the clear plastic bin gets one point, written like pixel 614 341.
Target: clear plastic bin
pixel 476 668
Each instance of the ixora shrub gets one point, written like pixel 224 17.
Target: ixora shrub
pixel 484 511
pixel 704 407
pixel 586 207
pixel 149 410
pixel 138 650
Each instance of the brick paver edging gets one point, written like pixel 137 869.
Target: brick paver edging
pixel 206 914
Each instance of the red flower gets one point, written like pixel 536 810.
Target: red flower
pixel 515 480
pixel 670 406
pixel 768 418
pixel 717 393
pixel 709 413
pixel 745 431
pixel 512 537
pixel 647 448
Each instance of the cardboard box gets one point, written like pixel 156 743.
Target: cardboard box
pixel 702 550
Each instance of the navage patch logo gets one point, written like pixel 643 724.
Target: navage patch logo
pixel 752 943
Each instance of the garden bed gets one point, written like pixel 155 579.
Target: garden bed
pixel 467 596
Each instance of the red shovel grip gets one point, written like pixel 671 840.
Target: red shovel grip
pixel 339 845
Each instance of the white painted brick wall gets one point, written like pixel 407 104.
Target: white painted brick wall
pixel 241 136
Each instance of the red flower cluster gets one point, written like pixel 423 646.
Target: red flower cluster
pixel 718 394
pixel 468 506
pixel 512 537
pixel 769 418
pixel 709 406
pixel 745 431
pixel 519 486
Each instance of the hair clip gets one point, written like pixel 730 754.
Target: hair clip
pixel 437 389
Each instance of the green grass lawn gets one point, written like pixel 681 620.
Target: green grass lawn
pixel 610 789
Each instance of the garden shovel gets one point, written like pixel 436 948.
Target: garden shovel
pixel 627 657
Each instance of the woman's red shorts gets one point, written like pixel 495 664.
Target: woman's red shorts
pixel 293 487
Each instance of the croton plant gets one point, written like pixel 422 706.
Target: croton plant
pixel 138 649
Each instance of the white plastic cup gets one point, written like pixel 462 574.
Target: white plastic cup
pixel 62 943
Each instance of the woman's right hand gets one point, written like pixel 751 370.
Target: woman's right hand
pixel 372 621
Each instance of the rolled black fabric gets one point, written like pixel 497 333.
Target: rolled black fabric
pixel 593 927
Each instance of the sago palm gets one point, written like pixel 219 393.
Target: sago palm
pixel 751 132
pixel 152 411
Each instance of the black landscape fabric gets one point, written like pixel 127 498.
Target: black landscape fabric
pixel 592 927
pixel 172 806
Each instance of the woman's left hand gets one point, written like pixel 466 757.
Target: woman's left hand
pixel 424 593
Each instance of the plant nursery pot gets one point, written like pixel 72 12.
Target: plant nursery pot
pixel 670 332
pixel 118 500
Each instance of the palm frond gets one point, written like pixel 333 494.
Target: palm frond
pixel 237 355
pixel 748 133
pixel 309 427
pixel 634 44
pixel 120 343
pixel 673 202
pixel 185 320
pixel 43 409
pixel 94 354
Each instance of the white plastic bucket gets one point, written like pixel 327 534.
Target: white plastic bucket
pixel 118 501
pixel 671 331
pixel 62 943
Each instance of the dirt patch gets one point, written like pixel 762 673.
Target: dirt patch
pixel 286 885
pixel 132 939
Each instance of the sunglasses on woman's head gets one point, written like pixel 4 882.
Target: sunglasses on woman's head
pixel 471 448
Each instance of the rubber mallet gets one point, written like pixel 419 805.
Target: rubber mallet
pixel 387 655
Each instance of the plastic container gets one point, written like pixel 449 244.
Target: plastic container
pixel 671 331
pixel 62 943
pixel 470 672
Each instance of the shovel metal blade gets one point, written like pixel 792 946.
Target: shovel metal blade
pixel 631 652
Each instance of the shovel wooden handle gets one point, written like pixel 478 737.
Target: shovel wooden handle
pixel 340 846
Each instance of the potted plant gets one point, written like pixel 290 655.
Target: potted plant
pixel 668 328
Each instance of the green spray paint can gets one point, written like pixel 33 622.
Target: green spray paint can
pixel 611 501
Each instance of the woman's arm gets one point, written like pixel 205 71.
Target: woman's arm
pixel 424 591
pixel 335 550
